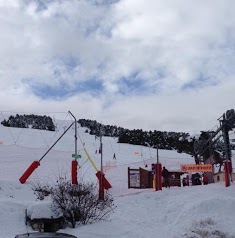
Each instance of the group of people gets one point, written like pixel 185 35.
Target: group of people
pixel 196 179
pixel 185 181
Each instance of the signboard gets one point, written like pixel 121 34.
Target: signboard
pixel 134 178
pixel 76 156
pixel 196 168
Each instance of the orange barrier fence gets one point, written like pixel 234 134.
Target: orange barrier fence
pixel 108 165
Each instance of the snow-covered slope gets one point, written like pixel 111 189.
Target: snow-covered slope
pixel 198 211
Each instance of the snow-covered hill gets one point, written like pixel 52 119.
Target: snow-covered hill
pixel 198 211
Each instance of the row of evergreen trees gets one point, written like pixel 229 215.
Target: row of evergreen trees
pixel 180 141
pixel 30 121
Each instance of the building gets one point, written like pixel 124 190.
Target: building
pixel 219 177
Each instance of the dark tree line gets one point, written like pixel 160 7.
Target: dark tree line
pixel 179 141
pixel 182 142
pixel 30 121
pixel 95 128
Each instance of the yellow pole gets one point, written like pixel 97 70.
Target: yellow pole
pixel 154 186
pixel 88 156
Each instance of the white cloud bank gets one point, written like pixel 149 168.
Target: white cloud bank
pixel 161 65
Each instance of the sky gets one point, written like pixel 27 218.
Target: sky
pixel 196 211
pixel 152 65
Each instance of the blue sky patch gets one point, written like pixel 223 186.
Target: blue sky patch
pixel 41 4
pixel 71 63
pixel 103 2
pixel 63 90
pixel 134 86
pixel 199 82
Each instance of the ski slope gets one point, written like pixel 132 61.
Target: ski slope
pixel 198 211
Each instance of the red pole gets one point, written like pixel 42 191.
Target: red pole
pixel 74 172
pixel 101 181
pixel 155 177
pixel 29 171
pixel 101 187
pixel 227 172
pixel 158 176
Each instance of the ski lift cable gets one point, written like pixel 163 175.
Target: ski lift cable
pixel 9 129
pixel 33 112
pixel 111 146
pixel 56 142
pixel 214 141
pixel 22 130
pixel 207 147
pixel 48 144
pixel 83 163
pixel 16 140
pixel 142 158
pixel 44 138
pixel 150 154
pixel 20 134
pixel 83 144
pixel 58 129
pixel 71 118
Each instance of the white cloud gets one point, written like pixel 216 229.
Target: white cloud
pixel 181 51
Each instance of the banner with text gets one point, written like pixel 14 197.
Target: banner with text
pixel 196 168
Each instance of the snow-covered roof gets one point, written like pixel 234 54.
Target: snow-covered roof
pixel 41 210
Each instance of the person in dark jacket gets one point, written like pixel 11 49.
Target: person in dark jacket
pixel 165 175
pixel 196 179
pixel 205 179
